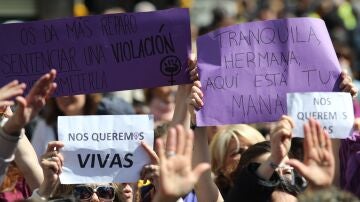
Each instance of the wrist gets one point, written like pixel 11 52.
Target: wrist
pixel 12 128
pixel 275 160
pixel 160 198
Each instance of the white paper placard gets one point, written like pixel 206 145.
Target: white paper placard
pixel 102 149
pixel 334 111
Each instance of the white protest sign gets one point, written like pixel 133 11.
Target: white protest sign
pixel 333 110
pixel 101 149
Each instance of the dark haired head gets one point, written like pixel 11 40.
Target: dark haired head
pixel 250 154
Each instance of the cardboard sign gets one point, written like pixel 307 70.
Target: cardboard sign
pixel 247 69
pixel 99 53
pixel 333 110
pixel 104 148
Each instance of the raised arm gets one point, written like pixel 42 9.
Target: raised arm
pixel 51 163
pixel 10 132
pixel 8 142
pixel 181 112
pixel 205 189
pixel 30 105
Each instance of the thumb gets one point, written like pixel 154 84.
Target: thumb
pixel 299 166
pixel 21 101
pixel 200 169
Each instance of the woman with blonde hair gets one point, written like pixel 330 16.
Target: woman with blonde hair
pixel 226 149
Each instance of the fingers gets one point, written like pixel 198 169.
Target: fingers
pixel 328 144
pixel 307 140
pixel 54 144
pixel 180 143
pixel 161 151
pixel 171 142
pixel 21 101
pixel 51 90
pixel 346 84
pixel 189 144
pixel 196 96
pixel 289 120
pixel 6 103
pixel 284 126
pixel 299 166
pixel 193 70
pixel 12 89
pixel 152 154
pixel 44 85
pixel 52 164
pixel 313 134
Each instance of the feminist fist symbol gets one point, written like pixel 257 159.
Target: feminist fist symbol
pixel 170 66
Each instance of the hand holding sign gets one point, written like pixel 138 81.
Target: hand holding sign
pixel 177 177
pixel 10 90
pixel 319 163
pixel 51 163
pixel 333 110
pixel 346 84
pixel 32 103
pixel 251 67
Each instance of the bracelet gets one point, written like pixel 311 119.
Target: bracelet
pixel 36 196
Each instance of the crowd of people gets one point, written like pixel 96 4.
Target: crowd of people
pixel 258 162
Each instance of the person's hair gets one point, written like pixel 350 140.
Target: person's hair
pixel 66 191
pixel 331 194
pixel 12 176
pixel 253 152
pixel 52 111
pixel 220 143
pixel 161 130
pixel 219 146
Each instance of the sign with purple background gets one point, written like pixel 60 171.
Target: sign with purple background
pixel 247 69
pixel 99 53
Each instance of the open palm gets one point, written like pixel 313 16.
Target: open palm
pixel 319 164
pixel 177 177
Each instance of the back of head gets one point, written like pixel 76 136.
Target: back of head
pixel 331 194
pixel 252 153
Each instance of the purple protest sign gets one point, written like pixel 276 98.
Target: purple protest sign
pixel 99 53
pixel 247 69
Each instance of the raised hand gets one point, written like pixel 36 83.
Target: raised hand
pixel 281 139
pixel 319 164
pixel 177 177
pixel 346 84
pixel 51 163
pixel 10 90
pixel 30 105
